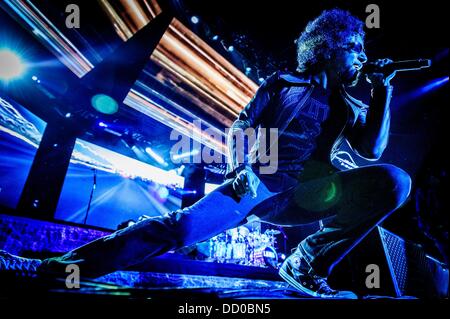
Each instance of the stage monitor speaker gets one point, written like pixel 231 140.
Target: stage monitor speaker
pixel 384 264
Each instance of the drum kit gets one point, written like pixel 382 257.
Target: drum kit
pixel 245 247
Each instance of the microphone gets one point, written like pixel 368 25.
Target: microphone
pixel 407 65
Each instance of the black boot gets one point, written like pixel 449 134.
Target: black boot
pixel 299 274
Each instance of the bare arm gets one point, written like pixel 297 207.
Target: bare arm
pixel 370 135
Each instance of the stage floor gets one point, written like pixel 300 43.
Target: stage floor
pixel 175 275
pixel 167 276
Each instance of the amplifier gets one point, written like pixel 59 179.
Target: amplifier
pixel 384 264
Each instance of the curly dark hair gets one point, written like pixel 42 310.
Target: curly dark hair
pixel 323 36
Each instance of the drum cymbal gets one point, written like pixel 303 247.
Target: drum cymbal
pixel 243 231
pixel 272 232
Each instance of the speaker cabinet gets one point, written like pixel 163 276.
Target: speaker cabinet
pixel 384 264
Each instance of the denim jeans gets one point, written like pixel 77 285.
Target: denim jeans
pixel 358 199
pixel 353 202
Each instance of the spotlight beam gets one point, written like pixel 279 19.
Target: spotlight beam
pixel 11 65
pixel 425 89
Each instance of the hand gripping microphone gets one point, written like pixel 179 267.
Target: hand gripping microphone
pixel 399 66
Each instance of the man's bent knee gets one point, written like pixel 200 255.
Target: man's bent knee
pixel 398 183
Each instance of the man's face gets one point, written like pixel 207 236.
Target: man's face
pixel 348 61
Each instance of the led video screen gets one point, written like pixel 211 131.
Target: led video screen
pixel 104 188
pixel 20 134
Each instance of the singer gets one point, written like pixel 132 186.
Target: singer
pixel 314 115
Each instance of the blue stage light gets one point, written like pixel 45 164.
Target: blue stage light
pixel 230 48
pixel 163 192
pixel 11 66
pixel 434 84
pixel 155 156
pixel 34 78
pixel 195 19
pixel 185 155
pixel 419 92
pixel 104 104
pixel 101 124
pixel 68 115
pixel 215 38
pixel 186 191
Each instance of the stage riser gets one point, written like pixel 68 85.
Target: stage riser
pixel 34 238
